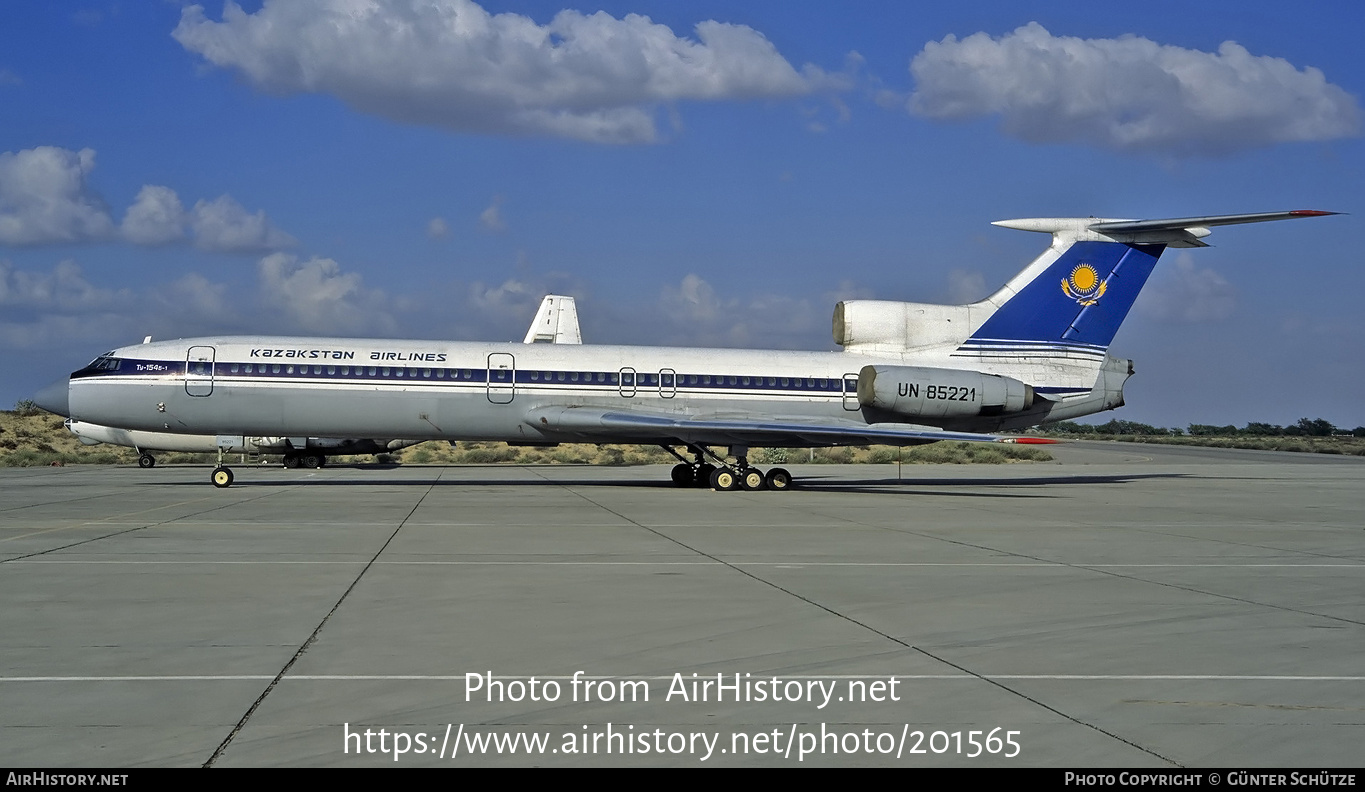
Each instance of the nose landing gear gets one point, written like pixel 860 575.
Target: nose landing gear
pixel 222 474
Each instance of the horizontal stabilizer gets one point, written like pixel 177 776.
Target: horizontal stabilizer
pixel 1172 232
pixel 1180 223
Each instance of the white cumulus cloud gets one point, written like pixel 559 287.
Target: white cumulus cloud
pixel 44 198
pixel 695 314
pixel 222 225
pixel 1181 291
pixel 156 217
pixel 320 298
pixel 452 64
pixel 1129 93
pixel 491 218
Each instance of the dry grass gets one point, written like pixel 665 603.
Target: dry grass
pixel 39 439
pixel 1351 446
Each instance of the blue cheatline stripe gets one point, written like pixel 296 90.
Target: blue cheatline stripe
pixel 1044 311
pixel 606 381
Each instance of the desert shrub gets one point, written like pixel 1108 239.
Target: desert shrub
pixel 610 455
pixel 834 456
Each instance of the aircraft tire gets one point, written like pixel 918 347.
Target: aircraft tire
pixel 724 480
pixel 778 479
pixel 221 477
pixel 703 474
pixel 146 460
pixel 309 461
pixel 683 475
pixel 291 461
pixel 751 479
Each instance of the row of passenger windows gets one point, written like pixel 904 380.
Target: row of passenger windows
pixel 343 371
pixel 629 378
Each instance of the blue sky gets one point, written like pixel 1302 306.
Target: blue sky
pixel 697 173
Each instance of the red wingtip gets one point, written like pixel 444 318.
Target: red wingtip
pixel 1031 440
pixel 1311 213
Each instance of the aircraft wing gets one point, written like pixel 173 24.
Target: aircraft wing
pixel 593 424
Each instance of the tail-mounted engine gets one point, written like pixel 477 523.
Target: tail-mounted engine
pixel 918 391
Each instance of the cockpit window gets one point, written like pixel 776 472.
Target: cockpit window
pixel 105 363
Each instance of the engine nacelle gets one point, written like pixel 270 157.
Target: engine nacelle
pixel 919 391
pixel 883 325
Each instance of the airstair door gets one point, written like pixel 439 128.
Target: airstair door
pixel 199 370
pixel 851 392
pixel 502 378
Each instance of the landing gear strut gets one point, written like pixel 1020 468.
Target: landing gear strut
pixel 145 460
pixel 222 475
pixel 726 476
pixel 696 473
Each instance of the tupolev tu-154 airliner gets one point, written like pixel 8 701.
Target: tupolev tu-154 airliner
pixel 1035 351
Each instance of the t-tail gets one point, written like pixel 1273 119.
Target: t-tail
pixel 1050 326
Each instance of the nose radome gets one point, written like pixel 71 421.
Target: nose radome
pixel 55 398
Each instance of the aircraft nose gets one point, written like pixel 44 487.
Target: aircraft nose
pixel 55 398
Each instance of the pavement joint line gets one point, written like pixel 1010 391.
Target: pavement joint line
pixel 881 633
pixel 255 705
pixel 128 530
pixel 1109 570
pixel 964 675
pixel 998 682
pixel 716 562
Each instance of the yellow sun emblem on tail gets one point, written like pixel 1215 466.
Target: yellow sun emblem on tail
pixel 1084 285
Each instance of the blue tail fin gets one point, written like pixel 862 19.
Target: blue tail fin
pixel 1077 303
pixel 1070 301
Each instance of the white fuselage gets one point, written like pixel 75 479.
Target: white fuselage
pixel 442 390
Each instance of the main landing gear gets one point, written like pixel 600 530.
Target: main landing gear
pixel 726 476
pixel 146 460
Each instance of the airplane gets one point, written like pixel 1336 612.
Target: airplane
pixel 555 322
pixel 1033 352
